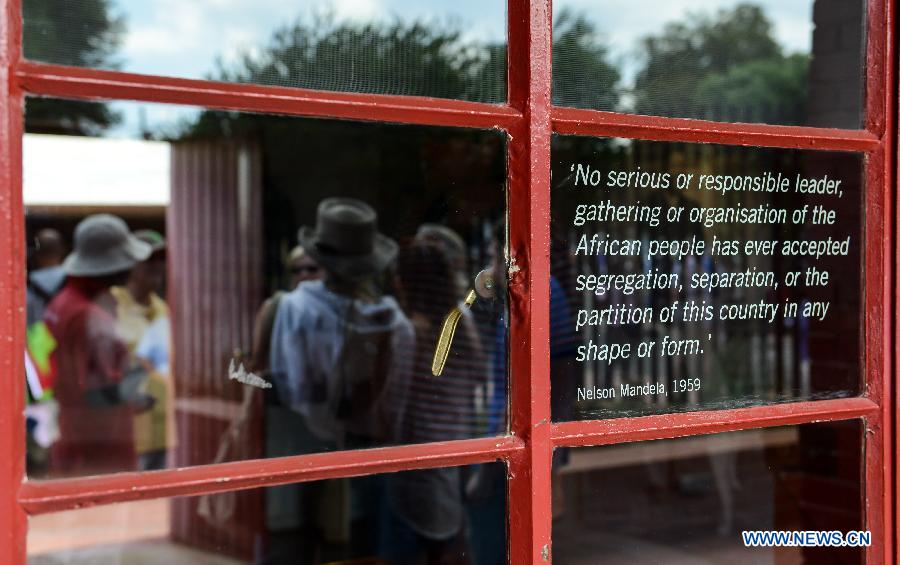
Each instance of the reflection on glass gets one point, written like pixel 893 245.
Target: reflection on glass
pixel 756 351
pixel 454 515
pixel 237 286
pixel 688 500
pixel 798 63
pixel 443 49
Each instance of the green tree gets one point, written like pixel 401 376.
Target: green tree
pixel 582 75
pixel 727 66
pixel 768 90
pixel 417 59
pixel 81 34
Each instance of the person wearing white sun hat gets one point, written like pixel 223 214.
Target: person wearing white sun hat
pixel 97 400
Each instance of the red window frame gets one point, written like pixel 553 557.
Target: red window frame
pixel 530 120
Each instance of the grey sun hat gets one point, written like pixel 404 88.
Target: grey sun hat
pixel 103 246
pixel 346 240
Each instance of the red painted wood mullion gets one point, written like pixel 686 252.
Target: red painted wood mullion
pixel 13 523
pixel 664 426
pixel 879 63
pixel 879 462
pixel 40 497
pixel 875 466
pixel 891 394
pixel 529 242
pixel 886 96
pixel 57 80
pixel 575 121
pixel 891 408
pixel 76 82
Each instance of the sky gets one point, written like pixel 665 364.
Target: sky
pixel 185 38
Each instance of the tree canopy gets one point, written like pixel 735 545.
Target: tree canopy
pixel 583 77
pixel 423 59
pixel 81 34
pixel 725 66
pixel 417 58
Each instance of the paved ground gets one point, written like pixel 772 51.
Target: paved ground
pixel 135 533
pixel 135 553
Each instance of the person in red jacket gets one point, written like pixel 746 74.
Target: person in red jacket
pixel 97 400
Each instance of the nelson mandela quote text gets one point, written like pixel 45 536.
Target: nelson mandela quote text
pixel 681 276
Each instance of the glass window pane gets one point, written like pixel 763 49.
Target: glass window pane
pixel 450 515
pixel 286 296
pixel 792 63
pixel 688 500
pixel 442 49
pixel 699 276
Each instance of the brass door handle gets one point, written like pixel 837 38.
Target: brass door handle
pixel 484 287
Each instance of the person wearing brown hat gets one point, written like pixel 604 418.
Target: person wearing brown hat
pixel 340 357
pixel 96 400
pixel 338 343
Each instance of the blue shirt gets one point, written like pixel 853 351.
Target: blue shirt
pixel 562 344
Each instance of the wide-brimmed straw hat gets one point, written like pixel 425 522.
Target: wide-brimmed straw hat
pixel 103 246
pixel 346 241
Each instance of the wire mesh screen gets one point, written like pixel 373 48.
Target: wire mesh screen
pixel 760 61
pixel 440 49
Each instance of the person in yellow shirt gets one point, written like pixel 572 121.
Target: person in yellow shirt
pixel 139 308
pixel 138 301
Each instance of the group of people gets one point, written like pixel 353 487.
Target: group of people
pixel 349 351
pixel 97 356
